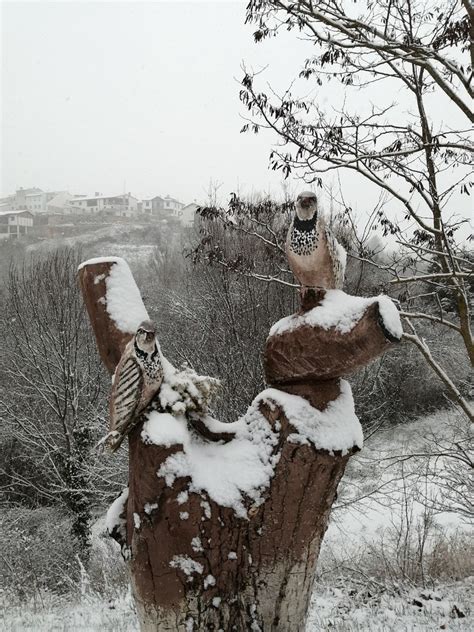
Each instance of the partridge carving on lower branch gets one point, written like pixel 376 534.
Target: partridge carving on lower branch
pixel 138 378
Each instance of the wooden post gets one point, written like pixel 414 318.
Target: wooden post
pixel 195 563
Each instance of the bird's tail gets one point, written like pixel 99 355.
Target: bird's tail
pixel 111 441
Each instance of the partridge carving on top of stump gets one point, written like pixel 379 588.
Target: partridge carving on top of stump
pixel 137 380
pixel 316 258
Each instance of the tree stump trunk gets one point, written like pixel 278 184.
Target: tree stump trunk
pixel 203 562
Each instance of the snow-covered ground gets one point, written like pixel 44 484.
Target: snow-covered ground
pixel 345 606
pixel 116 239
pixel 366 607
pixel 90 614
pixel 369 576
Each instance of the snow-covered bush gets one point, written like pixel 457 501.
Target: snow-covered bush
pixel 37 551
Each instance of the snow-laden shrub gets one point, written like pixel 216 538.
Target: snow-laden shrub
pixel 40 557
pixel 38 552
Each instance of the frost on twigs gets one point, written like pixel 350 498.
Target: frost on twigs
pixel 184 391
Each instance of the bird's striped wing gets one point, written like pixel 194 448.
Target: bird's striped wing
pixel 338 256
pixel 126 395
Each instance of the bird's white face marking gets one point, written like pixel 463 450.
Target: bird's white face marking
pixel 306 205
pixel 146 336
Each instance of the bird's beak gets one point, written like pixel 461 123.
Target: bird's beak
pixel 149 336
pixel 305 202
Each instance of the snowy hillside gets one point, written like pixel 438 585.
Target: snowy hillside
pixel 392 560
pixel 398 551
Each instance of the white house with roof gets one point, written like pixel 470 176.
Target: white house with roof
pixel 60 203
pixel 15 224
pixel 186 214
pixel 124 205
pixel 171 204
pixel 151 205
pixel 33 199
pixel 159 206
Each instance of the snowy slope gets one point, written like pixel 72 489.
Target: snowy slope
pixel 348 595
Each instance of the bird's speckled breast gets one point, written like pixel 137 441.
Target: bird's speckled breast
pixel 151 363
pixel 153 369
pixel 304 236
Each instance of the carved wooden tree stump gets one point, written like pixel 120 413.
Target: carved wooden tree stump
pixel 224 522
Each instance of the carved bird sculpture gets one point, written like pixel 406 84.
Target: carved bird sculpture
pixel 316 258
pixel 137 380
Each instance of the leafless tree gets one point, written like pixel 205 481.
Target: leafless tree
pixel 419 53
pixel 52 392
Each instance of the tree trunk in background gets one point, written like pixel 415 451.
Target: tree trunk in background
pixel 194 564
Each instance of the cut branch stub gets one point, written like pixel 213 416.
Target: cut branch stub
pixel 306 353
pixel 110 340
pixel 94 277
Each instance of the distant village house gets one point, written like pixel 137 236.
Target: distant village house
pixel 124 205
pixel 48 206
pixel 14 224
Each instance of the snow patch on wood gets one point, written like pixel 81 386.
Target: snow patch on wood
pixel 334 429
pixel 182 498
pixel 124 301
pixel 187 565
pixel 115 518
pixel 210 580
pixel 390 316
pixel 96 260
pixel 165 429
pixel 196 545
pixel 246 465
pixel 207 510
pixel 116 522
pixel 342 312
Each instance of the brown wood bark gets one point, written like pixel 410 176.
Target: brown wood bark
pixel 110 340
pixel 262 567
pixel 269 583
pixel 312 354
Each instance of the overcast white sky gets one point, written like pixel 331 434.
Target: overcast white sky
pixel 142 97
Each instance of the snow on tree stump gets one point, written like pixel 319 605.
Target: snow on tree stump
pixel 223 522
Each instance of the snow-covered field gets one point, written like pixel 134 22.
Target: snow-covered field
pixel 116 239
pixel 364 606
pixel 370 577
pixel 90 614
pixel 345 607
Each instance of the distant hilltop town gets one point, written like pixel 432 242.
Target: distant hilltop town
pixel 27 209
